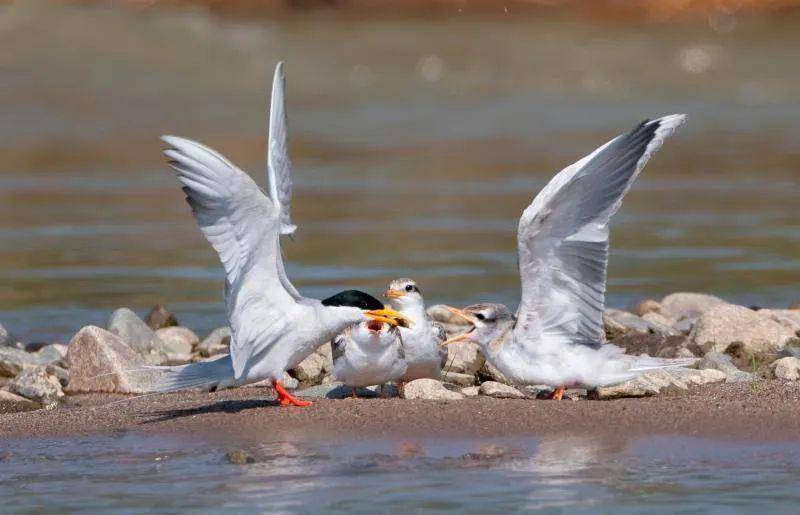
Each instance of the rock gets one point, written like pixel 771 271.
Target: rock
pixel 13 361
pixel 453 324
pixel 656 345
pixel 724 363
pixel 659 381
pixel 12 403
pixel 178 343
pixel 645 306
pixel 429 389
pixel 139 337
pixel 489 372
pixel 62 374
pixel 312 369
pixel 37 385
pixel 789 318
pixel 787 368
pixel 100 361
pixel 464 358
pixel 500 391
pixel 660 324
pixel 160 317
pixel 692 376
pixel 678 306
pixel 754 333
pixel 471 391
pixel 53 354
pixel 618 323
pixel 217 342
pixel 239 457
pixel 458 379
pixel 9 340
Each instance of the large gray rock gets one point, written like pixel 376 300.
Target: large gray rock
pixel 618 322
pixel 453 324
pixel 645 306
pixel 217 342
pixel 753 332
pixel 179 342
pixel 100 361
pixel 464 358
pixel 659 381
pixel 789 318
pixel 12 403
pixel 655 344
pixel 37 385
pixel 160 317
pixel 724 363
pixel 9 340
pixel 458 379
pixel 787 368
pixel 311 370
pixel 53 354
pixel 13 361
pixel 500 391
pixel 678 306
pixel 429 389
pixel 471 391
pixel 139 337
pixel 489 372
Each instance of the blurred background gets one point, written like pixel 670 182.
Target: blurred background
pixel 419 132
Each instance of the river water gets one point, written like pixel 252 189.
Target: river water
pixel 133 473
pixel 416 142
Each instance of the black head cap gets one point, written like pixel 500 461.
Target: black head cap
pixel 355 299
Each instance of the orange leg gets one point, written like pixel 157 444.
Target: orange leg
pixel 558 393
pixel 287 399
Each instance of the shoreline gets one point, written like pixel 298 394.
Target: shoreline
pixel 767 410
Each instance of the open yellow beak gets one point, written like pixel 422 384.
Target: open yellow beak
pixel 389 316
pixel 393 294
pixel 463 315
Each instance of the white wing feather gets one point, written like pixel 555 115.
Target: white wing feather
pixel 279 169
pixel 562 239
pixel 242 225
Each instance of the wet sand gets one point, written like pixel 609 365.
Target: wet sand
pixel 767 410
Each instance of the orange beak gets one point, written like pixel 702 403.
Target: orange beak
pixel 390 316
pixel 393 294
pixel 464 316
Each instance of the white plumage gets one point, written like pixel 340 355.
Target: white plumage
pixel 422 341
pixel 273 327
pixel 557 335
pixel 368 354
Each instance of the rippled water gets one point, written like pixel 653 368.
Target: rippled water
pixel 416 142
pixel 665 475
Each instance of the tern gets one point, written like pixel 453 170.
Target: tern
pixel 366 354
pixel 422 340
pixel 557 336
pixel 273 327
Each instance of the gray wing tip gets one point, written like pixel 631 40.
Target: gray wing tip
pixel 288 230
pixel 670 122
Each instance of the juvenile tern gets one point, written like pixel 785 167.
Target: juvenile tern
pixel 273 327
pixel 557 336
pixel 422 340
pixel 366 354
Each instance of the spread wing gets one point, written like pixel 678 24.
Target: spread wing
pixel 562 239
pixel 241 223
pixel 279 168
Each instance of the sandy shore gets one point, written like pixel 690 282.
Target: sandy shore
pixel 767 410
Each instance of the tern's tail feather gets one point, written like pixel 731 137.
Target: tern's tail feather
pixel 208 374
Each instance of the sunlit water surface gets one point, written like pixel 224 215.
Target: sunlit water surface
pixel 417 143
pixel 128 473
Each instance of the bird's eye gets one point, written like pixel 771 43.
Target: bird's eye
pixel 480 316
pixel 409 287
